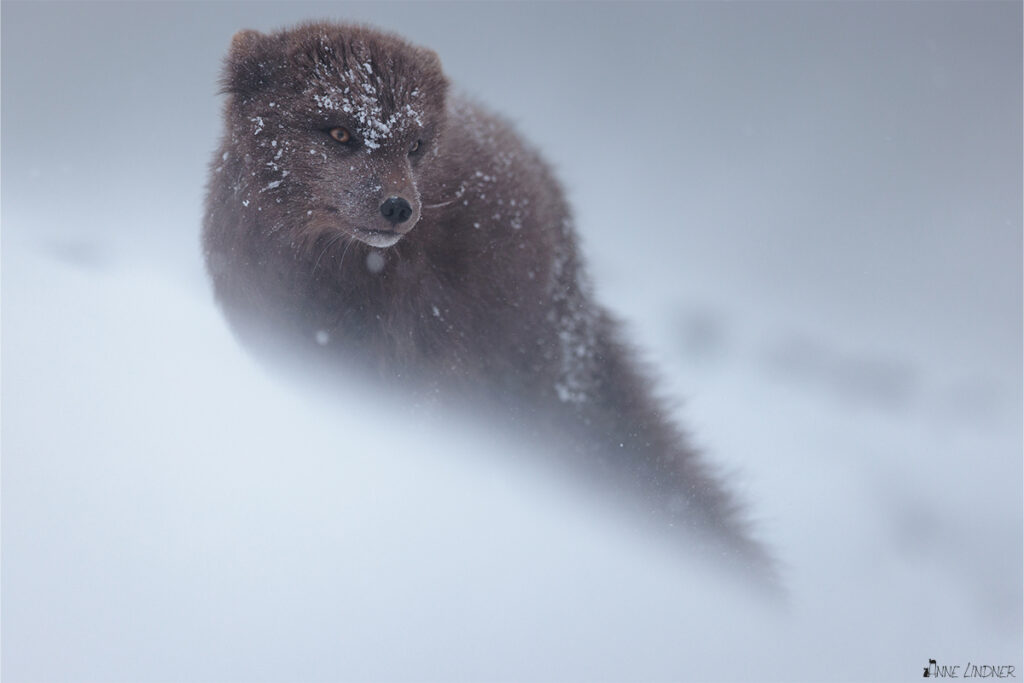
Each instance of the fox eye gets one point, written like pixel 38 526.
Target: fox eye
pixel 341 134
pixel 415 147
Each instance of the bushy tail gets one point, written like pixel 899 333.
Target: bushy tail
pixel 639 450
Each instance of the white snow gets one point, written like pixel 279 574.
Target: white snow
pixel 375 261
pixel 841 314
pixel 356 94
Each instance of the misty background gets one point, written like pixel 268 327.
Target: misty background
pixel 808 214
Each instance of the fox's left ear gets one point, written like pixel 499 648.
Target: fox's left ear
pixel 431 73
pixel 246 67
pixel 429 57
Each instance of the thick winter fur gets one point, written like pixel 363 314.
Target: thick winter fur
pixel 480 292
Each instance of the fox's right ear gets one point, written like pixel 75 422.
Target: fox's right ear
pixel 244 42
pixel 246 68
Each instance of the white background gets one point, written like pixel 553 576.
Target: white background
pixel 809 216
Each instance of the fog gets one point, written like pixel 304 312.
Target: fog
pixel 809 216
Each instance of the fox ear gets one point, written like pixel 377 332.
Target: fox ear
pixel 244 41
pixel 245 69
pixel 431 74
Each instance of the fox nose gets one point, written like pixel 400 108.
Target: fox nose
pixel 396 210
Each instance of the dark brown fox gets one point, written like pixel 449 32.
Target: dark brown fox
pixel 360 213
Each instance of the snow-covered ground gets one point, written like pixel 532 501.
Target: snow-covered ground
pixel 835 294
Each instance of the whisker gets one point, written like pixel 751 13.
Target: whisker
pixel 458 195
pixel 438 206
pixel 344 251
pixel 330 242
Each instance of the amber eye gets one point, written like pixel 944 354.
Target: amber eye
pixel 415 147
pixel 341 134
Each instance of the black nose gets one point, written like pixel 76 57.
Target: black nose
pixel 396 210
